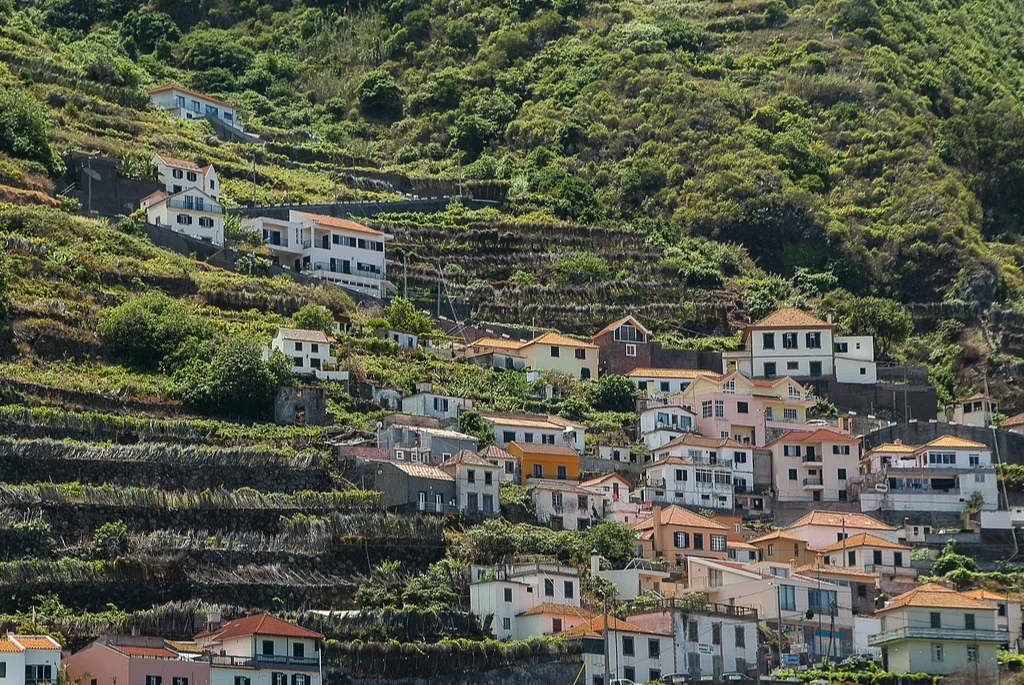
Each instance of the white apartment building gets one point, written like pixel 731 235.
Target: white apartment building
pixel 564 504
pixel 544 429
pixel 338 250
pixel 309 351
pixel 792 342
pixel 189 104
pixel 190 201
pixel 262 650
pixel 29 660
pixel 696 471
pixel 939 476
pixel 529 599
pixel 425 402
pixel 814 466
pixel 660 424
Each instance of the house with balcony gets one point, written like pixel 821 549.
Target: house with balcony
pixel 658 424
pixel 528 429
pixel 426 402
pixel 1008 613
pixel 715 453
pixel 637 577
pixel 939 476
pixel 635 653
pixel 888 560
pixel 189 104
pixel 309 352
pixel 415 486
pixel 814 466
pixel 338 250
pixel 476 483
pixel 976 410
pixel 864 590
pixel 822 528
pixel 694 471
pixel 527 599
pixel 748 410
pixel 548 351
pixel 792 342
pixel 709 639
pixel 423 444
pixel 189 202
pixel 783 547
pixel 564 505
pixel 937 630
pixel 132 659
pixel 673 533
pixel 29 659
pixel 615 489
pixel 654 382
pixel 262 650
pixel 812 612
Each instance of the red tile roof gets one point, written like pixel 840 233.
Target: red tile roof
pixel 150 652
pixel 551 608
pixel 335 222
pixel 819 435
pixel 863 540
pixel 853 519
pixel 259 624
pixel 171 86
pixel 595 627
pixel 791 317
pixel 937 596
pixel 675 515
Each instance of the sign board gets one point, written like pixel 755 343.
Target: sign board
pixel 593 645
pixel 768 657
pixel 798 648
pixel 703 648
pixel 791 659
pixel 821 632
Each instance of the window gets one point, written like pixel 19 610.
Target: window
pixel 654 674
pixel 741 636
pixel 630 350
pixel 789 341
pixel 150 679
pixel 968 621
pixel 792 366
pixel 941 457
pixel 654 648
pixel 581 353
pixel 863 371
pixel 665 386
pixel 177 173
pixel 769 414
pixel 547 439
pixel 789 414
pixel 729 387
pixel 876 557
pixel 549 587
pixel 769 369
pixel 556 500
pixel 179 101
pixel 815 368
pixel 937 652
pixel 715 578
pixel 742 408
pixel 680 476
pixel 698 540
pixel 628 649
pixel 792 474
pixel 581 503
pixel 718 542
pixel 862 590
pixel 705 409
pixel 719 409
pixel 184 219
pixel 206 222
pixel 814 343
pixel 739 458
pixel 506 623
pixel 692 625
pixel 179 681
pixel 298 650
pixel 842 347
pixel 508 436
pixel 973 459
pixel 629 673
pixel 851 558
pixel 488 478
pixel 561 473
pixel 972 653
pixel 791 450
pixel 1002 610
pixel 821 601
pixel 771 549
pixel 681 539
pixel 716 633
pixel 787 598
pixel 555 351
pixel 268 648
pixel 979 478
pixel 471 476
pixel 768 341
pixel 191 176
pixel 936 619
pixel 538 471
pixel 556 625
pixel 508 594
pixel 278 678
pixel 3 671
pixel 568 589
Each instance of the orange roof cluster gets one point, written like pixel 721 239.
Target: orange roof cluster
pixel 983 594
pixel 778 535
pixel 335 222
pixel 19 643
pixel 595 628
pixel 937 596
pixel 819 435
pixel 897 447
pixel 258 624
pixel 654 372
pixel 852 519
pixel 550 608
pixel 675 515
pixel 863 540
pixel 694 440
pixel 952 441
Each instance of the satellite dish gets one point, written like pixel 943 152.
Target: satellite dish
pixel 379 425
pixel 881 487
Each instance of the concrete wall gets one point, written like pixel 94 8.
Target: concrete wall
pixel 917 401
pixel 305 406
pixel 110 194
pixel 684 359
pixel 536 674
pixel 358 209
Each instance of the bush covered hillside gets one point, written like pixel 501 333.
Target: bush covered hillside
pixel 878 141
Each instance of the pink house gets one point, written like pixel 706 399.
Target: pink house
pixel 136 660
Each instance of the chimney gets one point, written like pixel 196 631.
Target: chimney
pixel 595 561
pixel 828 318
pixel 213 620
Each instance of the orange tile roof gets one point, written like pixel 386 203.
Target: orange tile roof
pixel 7 646
pixel 544 420
pixel 552 338
pixel 833 571
pixel 558 610
pixel 863 540
pixel 778 535
pixel 420 470
pixel 739 545
pixel 669 461
pixel 819 435
pixel 495 452
pixel 497 343
pixel 344 224
pixel 259 624
pixel 601 479
pixel 186 646
pixel 468 458
pixel 539 448
pixel 595 627
pixel 149 652
pixel 555 485
pixel 615 324
pixel 933 595
pixel 171 86
pixel 791 317
pixel 675 515
pixel 892 448
pixel 36 641
pixel 182 163
pixel 853 519
pixel 952 441
pixel 654 372
pixel 983 594
pixel 694 440
pixel 1015 420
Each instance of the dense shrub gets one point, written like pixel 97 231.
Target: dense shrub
pixel 380 97
pixel 23 130
pixel 148 329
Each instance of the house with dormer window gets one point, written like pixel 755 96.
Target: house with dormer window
pixel 190 200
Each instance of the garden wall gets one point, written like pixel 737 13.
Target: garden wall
pixel 533 674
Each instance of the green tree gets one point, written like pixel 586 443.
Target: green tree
pixel 148 29
pixel 613 540
pixel 888 321
pixel 614 393
pixel 314 317
pixel 237 380
pixel 471 423
pixel 24 130
pixel 403 316
pixel 581 267
pixel 380 97
pixel 762 296
pixel 949 561
pixel 145 330
pixel 471 134
pixel 110 540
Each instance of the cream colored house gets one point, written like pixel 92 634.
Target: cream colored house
pixel 976 410
pixel 637 654
pixel 933 629
pixel 547 352
pixel 814 466
pixel 1008 613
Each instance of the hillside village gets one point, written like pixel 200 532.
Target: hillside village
pixel 306 381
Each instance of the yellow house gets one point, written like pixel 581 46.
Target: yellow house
pixel 547 352
pixel 784 547
pixel 933 629
pixel 556 462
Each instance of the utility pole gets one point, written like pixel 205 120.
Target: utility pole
pixel 778 600
pixel 607 676
pixel 405 276
pixel 254 180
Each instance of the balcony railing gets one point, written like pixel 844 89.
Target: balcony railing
pixel 359 273
pixel 890 569
pixel 907 633
pixel 704 461
pixel 208 207
pixel 265 660
pixel 812 458
pixel 813 482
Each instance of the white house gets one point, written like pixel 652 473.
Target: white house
pixel 976 410
pixel 637 577
pixel 939 476
pixel 309 351
pixel 871 554
pixel 545 429
pixel 615 490
pixel 792 342
pixel 477 483
pixel 692 470
pixel 538 598
pixel 338 250
pixel 564 505
pixel 405 341
pixel 659 424
pixel 425 402
pixel 636 653
pixel 508 463
pixel 190 201
pixel 189 104
pixel 262 650
pixel 28 659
